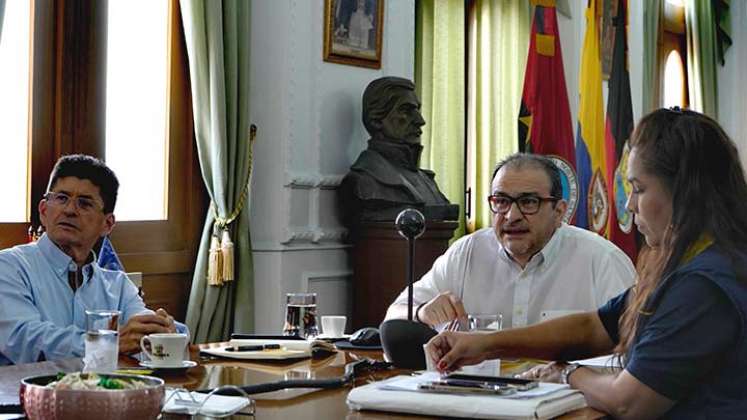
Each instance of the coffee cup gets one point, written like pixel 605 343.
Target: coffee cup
pixel 333 326
pixel 164 349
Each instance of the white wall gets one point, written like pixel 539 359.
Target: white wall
pixel 308 114
pixel 732 95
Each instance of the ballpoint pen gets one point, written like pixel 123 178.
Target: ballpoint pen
pixel 258 347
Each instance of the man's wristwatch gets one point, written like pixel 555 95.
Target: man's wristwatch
pixel 566 372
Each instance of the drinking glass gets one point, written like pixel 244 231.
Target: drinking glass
pixel 485 323
pixel 300 315
pixel 101 340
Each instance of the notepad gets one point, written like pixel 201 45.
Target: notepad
pixel 289 349
pixel 397 395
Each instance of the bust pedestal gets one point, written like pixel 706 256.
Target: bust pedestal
pixel 380 264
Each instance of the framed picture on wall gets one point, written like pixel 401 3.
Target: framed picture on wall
pixel 352 32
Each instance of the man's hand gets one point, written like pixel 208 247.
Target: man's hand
pixel 442 308
pixel 170 319
pixel 139 325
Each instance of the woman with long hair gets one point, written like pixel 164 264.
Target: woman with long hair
pixel 681 331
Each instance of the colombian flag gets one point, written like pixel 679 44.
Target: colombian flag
pixel 545 117
pixel 591 149
pixel 618 129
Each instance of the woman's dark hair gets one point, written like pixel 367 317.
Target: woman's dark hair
pixel 699 166
pixel 92 169
pixel 522 160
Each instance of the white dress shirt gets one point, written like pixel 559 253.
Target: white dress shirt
pixel 576 271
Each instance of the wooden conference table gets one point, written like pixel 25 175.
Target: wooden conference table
pixel 293 404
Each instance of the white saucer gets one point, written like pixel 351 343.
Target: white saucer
pixel 186 364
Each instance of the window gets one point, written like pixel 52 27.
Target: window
pixel 673 90
pixel 136 104
pixel 15 52
pixel 79 100
pixel 674 81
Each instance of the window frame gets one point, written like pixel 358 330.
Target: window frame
pixel 67 115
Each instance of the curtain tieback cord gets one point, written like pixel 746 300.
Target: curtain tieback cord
pixel 221 256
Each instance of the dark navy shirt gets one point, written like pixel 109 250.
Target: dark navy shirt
pixel 688 342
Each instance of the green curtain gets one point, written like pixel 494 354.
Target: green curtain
pixel 723 28
pixel 652 12
pixel 499 45
pixel 700 22
pixel 217 38
pixel 439 78
pixel 2 12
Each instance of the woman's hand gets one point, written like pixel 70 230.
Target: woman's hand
pixel 452 350
pixel 550 372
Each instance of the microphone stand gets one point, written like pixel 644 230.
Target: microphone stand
pixel 410 276
pixel 401 339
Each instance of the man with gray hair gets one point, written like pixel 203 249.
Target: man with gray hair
pixel 529 266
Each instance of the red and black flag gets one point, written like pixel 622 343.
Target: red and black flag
pixel 545 117
pixel 618 127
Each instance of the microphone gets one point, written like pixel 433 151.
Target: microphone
pixel 401 339
pixel 410 224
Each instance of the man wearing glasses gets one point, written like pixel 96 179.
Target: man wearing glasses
pixel 46 287
pixel 530 266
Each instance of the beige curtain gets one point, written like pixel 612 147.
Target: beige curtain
pixel 439 77
pixel 702 54
pixel 499 43
pixel 652 11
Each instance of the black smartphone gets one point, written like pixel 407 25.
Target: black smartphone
pixel 443 388
pixel 460 379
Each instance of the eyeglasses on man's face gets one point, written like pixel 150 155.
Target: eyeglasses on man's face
pixel 528 203
pixel 83 204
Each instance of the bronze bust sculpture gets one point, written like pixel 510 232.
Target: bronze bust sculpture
pixel 385 179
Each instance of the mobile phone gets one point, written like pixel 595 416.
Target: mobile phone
pixel 516 383
pixel 440 387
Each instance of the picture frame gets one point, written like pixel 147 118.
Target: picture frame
pixel 353 32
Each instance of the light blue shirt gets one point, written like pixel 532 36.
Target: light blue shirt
pixel 41 318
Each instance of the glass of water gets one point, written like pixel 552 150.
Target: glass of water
pixel 485 323
pixel 102 340
pixel 300 315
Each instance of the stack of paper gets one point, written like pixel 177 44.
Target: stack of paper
pixel 400 394
pixel 289 349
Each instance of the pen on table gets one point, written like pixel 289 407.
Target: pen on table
pixel 258 347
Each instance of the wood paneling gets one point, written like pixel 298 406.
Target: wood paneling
pixel 380 265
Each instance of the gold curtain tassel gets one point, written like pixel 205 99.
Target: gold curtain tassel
pixel 215 269
pixel 227 251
